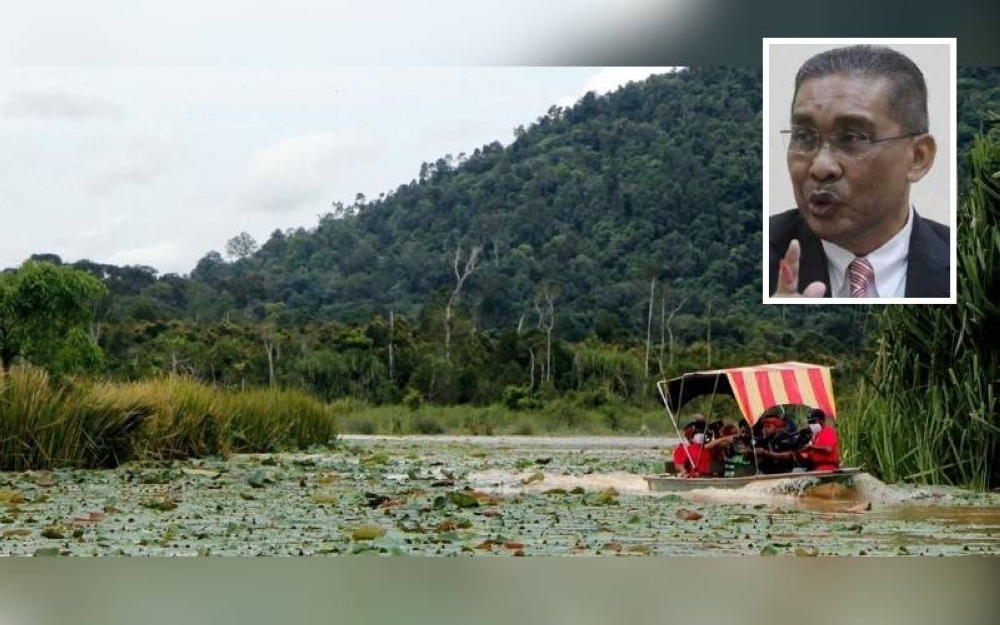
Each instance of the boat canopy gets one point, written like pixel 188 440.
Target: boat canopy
pixel 758 388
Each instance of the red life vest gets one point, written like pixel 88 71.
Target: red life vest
pixel 822 460
pixel 702 459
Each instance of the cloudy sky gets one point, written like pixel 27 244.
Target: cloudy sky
pixel 159 165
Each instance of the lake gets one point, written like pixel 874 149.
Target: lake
pixel 471 496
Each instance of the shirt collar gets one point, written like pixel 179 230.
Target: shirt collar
pixel 888 261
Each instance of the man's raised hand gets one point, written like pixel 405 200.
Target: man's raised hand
pixel 788 276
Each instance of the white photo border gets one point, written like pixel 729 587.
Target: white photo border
pixel 952 44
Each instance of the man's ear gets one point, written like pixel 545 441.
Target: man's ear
pixel 922 157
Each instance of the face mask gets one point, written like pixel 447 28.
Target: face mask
pixel 698 439
pixel 815 427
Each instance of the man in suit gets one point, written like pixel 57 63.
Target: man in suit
pixel 858 140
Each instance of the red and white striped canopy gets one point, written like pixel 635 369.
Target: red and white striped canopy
pixel 758 388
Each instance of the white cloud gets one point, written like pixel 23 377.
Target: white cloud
pixel 50 105
pixel 106 228
pixel 138 162
pixel 288 174
pixel 610 78
pixel 158 255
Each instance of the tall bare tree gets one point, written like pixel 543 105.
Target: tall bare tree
pixel 665 321
pixel 545 307
pixel 392 325
pixel 460 277
pixel 649 322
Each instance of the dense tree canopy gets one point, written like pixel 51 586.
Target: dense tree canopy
pixel 43 310
pixel 618 235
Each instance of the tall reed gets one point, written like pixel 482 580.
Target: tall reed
pixel 929 410
pixel 47 424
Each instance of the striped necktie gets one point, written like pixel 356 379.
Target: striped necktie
pixel 862 277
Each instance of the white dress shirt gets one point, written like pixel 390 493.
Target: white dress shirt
pixel 888 261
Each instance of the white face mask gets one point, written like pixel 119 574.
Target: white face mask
pixel 815 427
pixel 698 439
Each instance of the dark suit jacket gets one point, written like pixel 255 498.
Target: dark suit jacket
pixel 928 268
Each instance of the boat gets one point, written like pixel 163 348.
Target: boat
pixel 674 484
pixel 758 390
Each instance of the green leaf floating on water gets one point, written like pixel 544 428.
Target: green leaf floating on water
pixel 534 477
pixel 607 497
pixel 163 504
pixel 52 533
pixel 259 479
pixel 368 532
pixel 460 499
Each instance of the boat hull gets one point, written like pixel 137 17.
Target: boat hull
pixel 672 483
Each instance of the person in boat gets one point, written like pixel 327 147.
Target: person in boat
pixel 735 447
pixel 777 447
pixel 823 451
pixel 691 459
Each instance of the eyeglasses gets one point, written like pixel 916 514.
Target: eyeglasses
pixel 846 143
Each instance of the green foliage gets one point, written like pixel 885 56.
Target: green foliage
pixel 427 424
pixel 931 411
pixel 412 399
pixel 519 397
pixel 40 305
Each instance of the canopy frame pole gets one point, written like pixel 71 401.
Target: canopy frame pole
pixel 661 386
pixel 753 447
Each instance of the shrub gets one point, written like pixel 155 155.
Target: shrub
pixel 525 427
pixel 412 399
pixel 426 424
pixel 361 426
pixel 519 398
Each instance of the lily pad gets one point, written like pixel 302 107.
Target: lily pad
pixel 606 497
pixel 53 533
pixel 534 477
pixel 463 499
pixel 163 504
pixel 368 532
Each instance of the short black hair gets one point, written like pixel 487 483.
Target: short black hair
pixel 816 414
pixel 907 88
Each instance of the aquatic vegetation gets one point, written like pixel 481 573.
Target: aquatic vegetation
pixel 591 502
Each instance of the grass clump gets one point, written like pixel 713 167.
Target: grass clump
pixel 44 423
pixel 929 411
pixel 47 424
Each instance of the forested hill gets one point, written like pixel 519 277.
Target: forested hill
pixel 659 179
pixel 588 205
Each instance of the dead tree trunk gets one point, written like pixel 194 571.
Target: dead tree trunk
pixel 665 325
pixel 649 323
pixel 269 349
pixel 708 333
pixel 546 322
pixel 391 328
pixel 460 278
